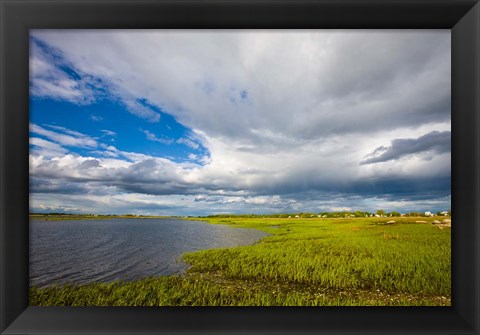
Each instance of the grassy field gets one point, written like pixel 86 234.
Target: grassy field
pixel 304 262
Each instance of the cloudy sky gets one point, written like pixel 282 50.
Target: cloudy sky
pixel 205 122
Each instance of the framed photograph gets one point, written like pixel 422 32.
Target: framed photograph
pixel 275 160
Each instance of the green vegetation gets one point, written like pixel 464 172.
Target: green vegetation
pixel 341 214
pixel 305 261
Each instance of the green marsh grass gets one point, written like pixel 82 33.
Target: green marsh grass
pixel 303 262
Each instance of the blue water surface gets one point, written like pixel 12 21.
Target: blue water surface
pixel 84 251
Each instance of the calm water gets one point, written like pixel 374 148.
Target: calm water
pixel 82 251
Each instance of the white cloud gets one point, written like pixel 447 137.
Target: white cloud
pixel 152 137
pixel 108 132
pixel 136 108
pixel 47 148
pixel 47 79
pixel 95 118
pixel 67 138
pixel 55 208
pixel 341 209
pixel 189 143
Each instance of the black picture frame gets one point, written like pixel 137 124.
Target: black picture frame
pixel 18 16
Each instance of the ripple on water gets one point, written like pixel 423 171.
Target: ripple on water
pixel 83 251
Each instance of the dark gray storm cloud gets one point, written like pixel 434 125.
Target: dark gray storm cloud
pixel 302 185
pixel 434 142
pixel 388 187
pixel 57 186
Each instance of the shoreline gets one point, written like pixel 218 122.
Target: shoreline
pixel 291 267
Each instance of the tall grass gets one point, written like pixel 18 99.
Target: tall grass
pixel 306 262
pixel 345 254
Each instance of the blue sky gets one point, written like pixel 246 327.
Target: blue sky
pixel 195 123
pixel 110 124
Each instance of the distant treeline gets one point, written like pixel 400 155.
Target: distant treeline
pixel 342 214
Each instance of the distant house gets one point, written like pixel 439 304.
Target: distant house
pixel 297 216
pixel 377 216
pixel 428 213
pixel 444 213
